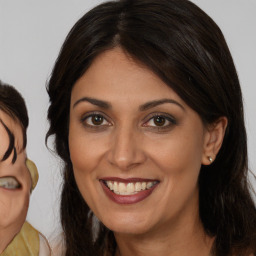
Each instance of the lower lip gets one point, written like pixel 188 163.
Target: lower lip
pixel 9 190
pixel 125 199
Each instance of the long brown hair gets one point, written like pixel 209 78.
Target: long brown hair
pixel 186 49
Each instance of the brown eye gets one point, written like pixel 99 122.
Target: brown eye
pixel 97 119
pixel 159 121
pixel 94 120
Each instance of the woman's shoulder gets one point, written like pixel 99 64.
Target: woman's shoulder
pixel 58 245
pixel 44 247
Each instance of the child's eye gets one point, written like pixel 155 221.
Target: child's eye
pixel 95 120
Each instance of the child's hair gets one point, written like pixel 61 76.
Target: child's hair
pixel 13 104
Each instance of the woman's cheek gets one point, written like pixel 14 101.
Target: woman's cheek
pixel 86 151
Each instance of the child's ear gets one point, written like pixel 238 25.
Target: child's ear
pixel 213 139
pixel 33 173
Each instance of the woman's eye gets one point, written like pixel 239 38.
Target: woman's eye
pixel 160 121
pixel 95 120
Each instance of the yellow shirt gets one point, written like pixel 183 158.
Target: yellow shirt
pixel 25 243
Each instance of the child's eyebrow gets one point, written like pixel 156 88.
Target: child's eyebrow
pixel 11 146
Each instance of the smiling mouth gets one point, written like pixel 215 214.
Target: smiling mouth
pixel 130 188
pixel 9 183
pixel 128 191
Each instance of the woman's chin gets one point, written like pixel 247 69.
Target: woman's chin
pixel 128 226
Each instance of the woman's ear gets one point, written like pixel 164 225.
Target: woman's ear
pixel 213 139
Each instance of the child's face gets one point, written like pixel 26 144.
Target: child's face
pixel 15 180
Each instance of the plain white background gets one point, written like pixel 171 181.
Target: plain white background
pixel 31 34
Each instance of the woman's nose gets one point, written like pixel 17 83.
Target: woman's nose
pixel 126 151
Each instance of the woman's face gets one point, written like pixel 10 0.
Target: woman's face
pixel 135 146
pixel 15 181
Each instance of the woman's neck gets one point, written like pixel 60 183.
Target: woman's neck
pixel 186 237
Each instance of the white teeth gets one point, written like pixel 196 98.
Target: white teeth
pixel 121 188
pixel 149 185
pixel 110 185
pixel 9 183
pixel 130 188
pixel 115 187
pixel 137 186
pixel 144 185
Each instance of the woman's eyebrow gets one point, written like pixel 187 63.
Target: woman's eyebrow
pixel 11 144
pixel 155 103
pixel 145 106
pixel 99 103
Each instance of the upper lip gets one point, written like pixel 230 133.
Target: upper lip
pixel 127 180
